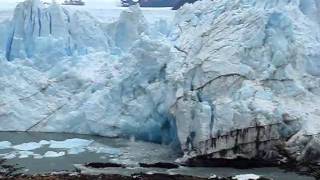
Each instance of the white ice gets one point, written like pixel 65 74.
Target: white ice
pixel 27 146
pixel 76 150
pixel 25 154
pixel 104 149
pixel 53 154
pixel 70 143
pixel 8 155
pixel 71 146
pixel 218 67
pixel 5 144
pixel 246 177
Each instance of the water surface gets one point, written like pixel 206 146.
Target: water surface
pixel 102 149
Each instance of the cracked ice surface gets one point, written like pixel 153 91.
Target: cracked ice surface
pixel 219 67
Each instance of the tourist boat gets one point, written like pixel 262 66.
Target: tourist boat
pixel 73 2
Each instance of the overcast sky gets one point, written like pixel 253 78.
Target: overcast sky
pixel 5 4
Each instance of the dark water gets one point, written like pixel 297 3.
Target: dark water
pixel 103 149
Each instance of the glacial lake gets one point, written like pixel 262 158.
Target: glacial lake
pixel 47 152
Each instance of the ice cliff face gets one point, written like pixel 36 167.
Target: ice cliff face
pixel 36 28
pixel 230 78
pixel 53 81
pixel 249 74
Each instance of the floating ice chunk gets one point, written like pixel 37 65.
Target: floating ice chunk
pixel 76 150
pixel 5 145
pixel 246 177
pixel 213 176
pixel 127 161
pixel 8 156
pixel 100 148
pixel 44 142
pixel 25 154
pixel 70 143
pixel 51 154
pixel 27 146
pixel 37 156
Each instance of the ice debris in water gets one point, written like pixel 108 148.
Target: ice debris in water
pixel 51 154
pixel 44 142
pixel 72 147
pixel 25 154
pixel 76 150
pixel 5 144
pixel 70 143
pixel 27 146
pixel 246 177
pixel 100 148
pixel 8 155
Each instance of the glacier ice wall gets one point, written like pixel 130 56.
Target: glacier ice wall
pixel 248 74
pixel 65 73
pixel 226 78
pixel 44 31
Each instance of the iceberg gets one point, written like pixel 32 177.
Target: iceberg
pixel 224 79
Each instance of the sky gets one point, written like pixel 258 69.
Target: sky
pixel 103 1
pixel 5 4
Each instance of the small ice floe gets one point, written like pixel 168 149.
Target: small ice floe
pixel 127 161
pixel 70 143
pixel 246 177
pixel 25 154
pixel 70 146
pixel 213 176
pixel 74 151
pixel 172 173
pixel 103 157
pixel 8 156
pixel 103 149
pixel 52 154
pixel 27 146
pixel 37 156
pixel 44 142
pixel 5 145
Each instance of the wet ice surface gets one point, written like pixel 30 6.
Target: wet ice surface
pixel 47 152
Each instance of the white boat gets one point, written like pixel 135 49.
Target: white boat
pixel 73 2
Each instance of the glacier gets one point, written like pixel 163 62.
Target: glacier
pixel 224 79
